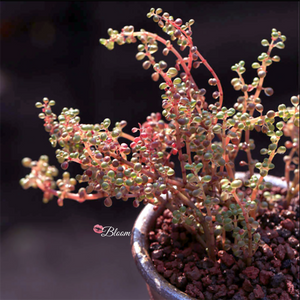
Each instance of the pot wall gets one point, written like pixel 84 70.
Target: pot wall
pixel 158 287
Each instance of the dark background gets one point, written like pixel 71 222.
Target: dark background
pixel 51 49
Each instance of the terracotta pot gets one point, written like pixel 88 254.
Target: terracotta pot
pixel 158 287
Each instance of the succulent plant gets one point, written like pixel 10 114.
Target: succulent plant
pixel 204 136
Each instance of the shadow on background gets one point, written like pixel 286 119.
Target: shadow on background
pixel 51 49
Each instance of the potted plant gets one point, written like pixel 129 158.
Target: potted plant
pixel 212 232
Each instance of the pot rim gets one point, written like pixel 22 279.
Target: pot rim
pixel 140 245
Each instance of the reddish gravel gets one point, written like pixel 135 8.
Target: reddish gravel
pixel 275 270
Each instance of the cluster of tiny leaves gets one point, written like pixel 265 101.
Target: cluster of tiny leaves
pixel 205 137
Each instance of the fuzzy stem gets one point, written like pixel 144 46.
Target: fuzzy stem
pixel 188 228
pixel 295 186
pixel 127 136
pixel 178 182
pixel 186 201
pixel 247 225
pixel 247 132
pixel 287 165
pixel 71 196
pixel 260 180
pixel 223 139
pixel 264 68
pixel 180 59
pixel 211 244
pixel 248 152
pixel 122 160
pixel 229 170
pixel 210 69
pixel 195 234
pixel 209 232
pixel 188 151
pixel 223 237
pixel 163 41
pixel 190 44
pixel 235 225
pixel 178 142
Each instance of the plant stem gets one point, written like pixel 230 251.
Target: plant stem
pixel 127 136
pixel 209 232
pixel 210 69
pixel 249 157
pixel 287 165
pixel 187 227
pixel 260 180
pixel 186 201
pixel 264 68
pixel 235 225
pixel 178 142
pixel 71 196
pixel 163 41
pixel 188 151
pixel 247 225
pixel 295 187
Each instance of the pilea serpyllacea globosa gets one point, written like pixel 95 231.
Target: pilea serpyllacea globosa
pixel 203 134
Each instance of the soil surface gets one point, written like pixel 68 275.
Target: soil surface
pixel 273 275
